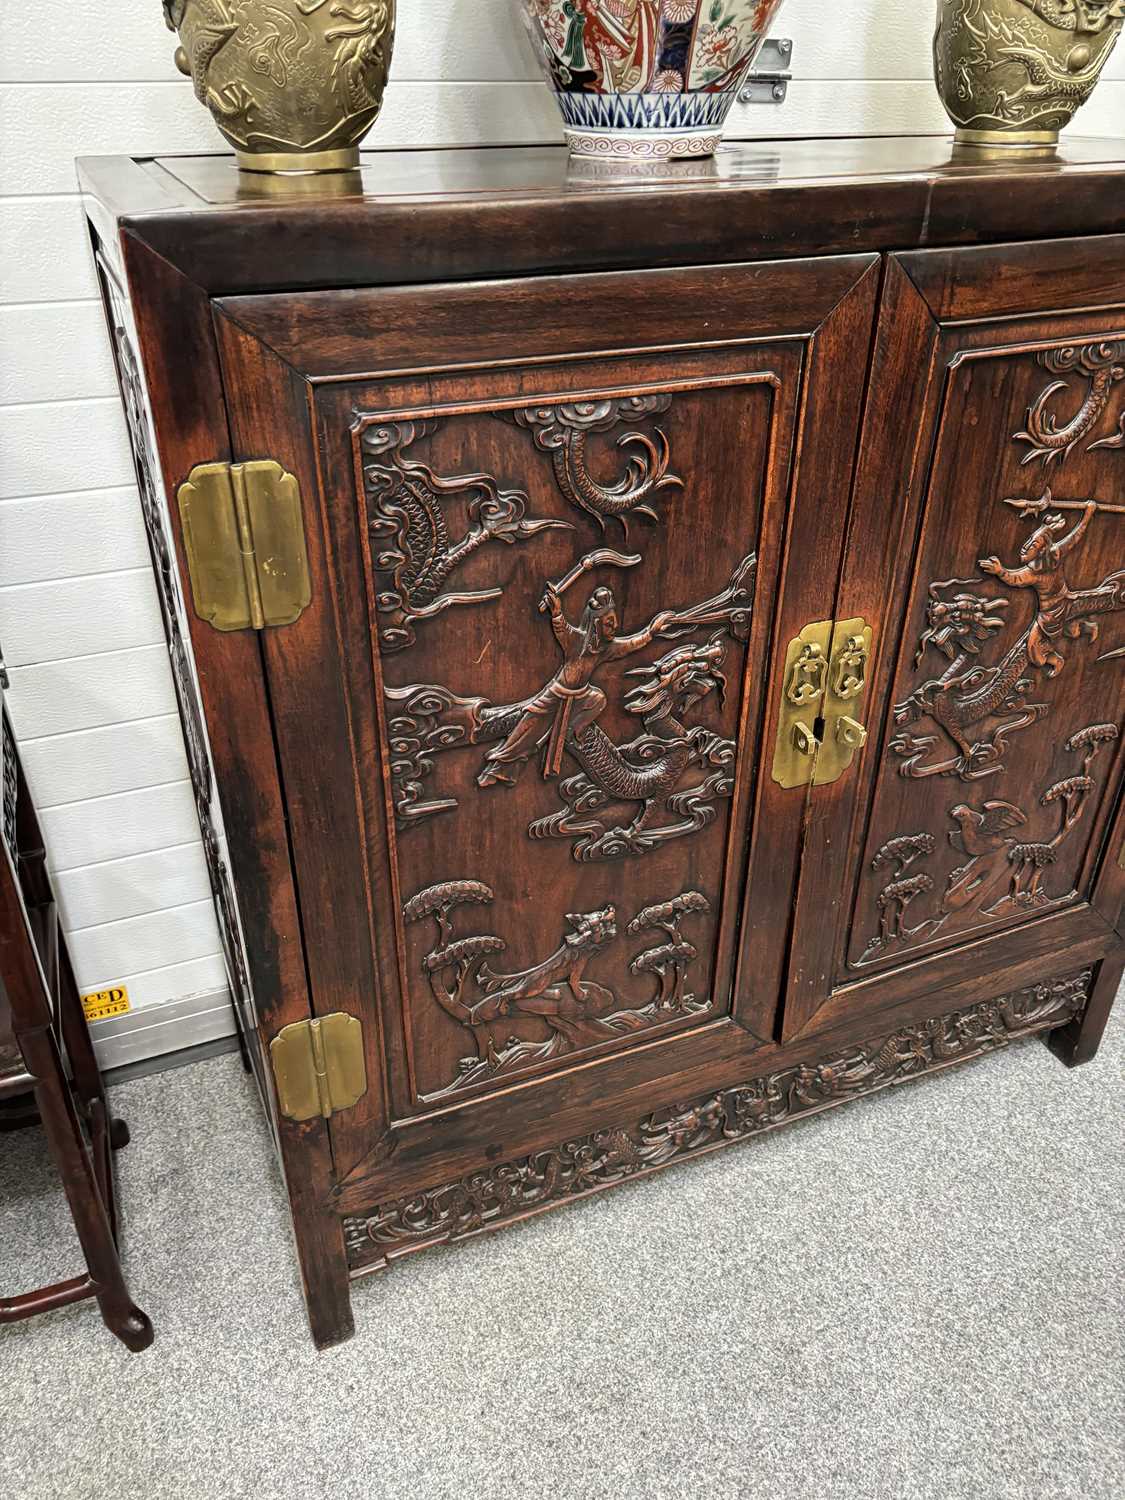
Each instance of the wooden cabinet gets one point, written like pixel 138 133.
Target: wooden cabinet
pixel 686 690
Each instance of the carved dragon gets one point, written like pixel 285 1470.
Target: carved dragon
pixel 649 769
pixel 361 62
pixel 1090 16
pixel 1046 80
pixel 412 549
pixel 563 432
pixel 965 695
pixel 219 27
pixel 1103 364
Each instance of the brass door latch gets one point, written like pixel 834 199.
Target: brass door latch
pixel 245 541
pixel 318 1066
pixel 818 728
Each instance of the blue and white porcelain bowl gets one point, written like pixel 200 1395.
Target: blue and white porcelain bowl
pixel 646 78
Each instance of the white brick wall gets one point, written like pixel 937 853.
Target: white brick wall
pixel 91 698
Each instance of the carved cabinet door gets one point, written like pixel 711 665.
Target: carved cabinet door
pixel 986 551
pixel 559 531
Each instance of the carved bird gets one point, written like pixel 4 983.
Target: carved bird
pixel 986 831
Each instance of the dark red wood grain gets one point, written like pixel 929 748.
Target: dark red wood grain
pixel 833 352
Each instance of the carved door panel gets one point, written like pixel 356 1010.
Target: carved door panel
pixel 522 723
pixel 977 824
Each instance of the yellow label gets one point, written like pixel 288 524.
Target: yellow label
pixel 104 1003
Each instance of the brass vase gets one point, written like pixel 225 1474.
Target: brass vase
pixel 292 84
pixel 1013 72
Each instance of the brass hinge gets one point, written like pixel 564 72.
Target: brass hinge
pixel 245 541
pixel 818 727
pixel 318 1066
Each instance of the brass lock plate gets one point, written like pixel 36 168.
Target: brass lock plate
pixel 820 727
pixel 803 687
pixel 844 733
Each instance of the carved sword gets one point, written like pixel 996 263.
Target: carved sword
pixel 603 557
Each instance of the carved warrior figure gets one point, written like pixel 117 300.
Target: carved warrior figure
pixel 569 702
pixel 967 697
pixel 558 719
pixel 1000 864
pixel 556 991
pixel 1061 611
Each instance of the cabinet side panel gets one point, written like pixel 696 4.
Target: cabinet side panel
pixel 175 338
pixel 164 347
pixel 185 680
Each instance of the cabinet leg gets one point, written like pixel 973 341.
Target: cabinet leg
pixel 1078 1041
pixel 328 1298
pixel 319 1232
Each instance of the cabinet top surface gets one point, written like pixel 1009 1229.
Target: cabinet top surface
pixel 462 212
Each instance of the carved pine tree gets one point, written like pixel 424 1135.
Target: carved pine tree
pixel 454 964
pixel 669 962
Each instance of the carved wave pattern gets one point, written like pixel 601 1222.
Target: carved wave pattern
pixel 497 1195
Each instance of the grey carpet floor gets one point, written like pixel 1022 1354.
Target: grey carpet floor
pixel 917 1295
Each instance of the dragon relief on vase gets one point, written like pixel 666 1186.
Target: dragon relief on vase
pixel 1021 65
pixel 1005 869
pixel 578 1012
pixel 287 76
pixel 214 28
pixel 978 707
pixel 1103 365
pixel 559 720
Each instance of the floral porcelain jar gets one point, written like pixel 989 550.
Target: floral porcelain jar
pixel 646 78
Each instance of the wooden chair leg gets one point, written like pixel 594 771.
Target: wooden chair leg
pixel 76 1034
pixel 92 1219
pixel 1078 1041
pixel 88 1082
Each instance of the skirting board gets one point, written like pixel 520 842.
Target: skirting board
pixel 159 1030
